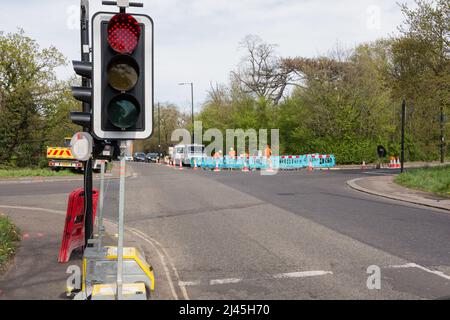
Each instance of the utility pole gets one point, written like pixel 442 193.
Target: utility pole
pixel 403 134
pixel 192 105
pixel 159 131
pixel 88 185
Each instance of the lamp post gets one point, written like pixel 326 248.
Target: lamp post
pixel 192 102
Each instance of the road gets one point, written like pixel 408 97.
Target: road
pixel 295 235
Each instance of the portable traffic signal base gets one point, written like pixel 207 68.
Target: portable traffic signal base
pixel 100 272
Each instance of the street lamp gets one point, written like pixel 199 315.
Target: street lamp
pixel 192 101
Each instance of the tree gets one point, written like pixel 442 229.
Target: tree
pixel 262 73
pixel 421 67
pixel 29 92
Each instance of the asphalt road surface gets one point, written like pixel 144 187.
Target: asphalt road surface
pixel 294 235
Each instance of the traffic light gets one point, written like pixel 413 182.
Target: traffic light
pixel 122 99
pixel 83 94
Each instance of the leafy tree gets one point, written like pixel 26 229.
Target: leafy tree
pixel 31 98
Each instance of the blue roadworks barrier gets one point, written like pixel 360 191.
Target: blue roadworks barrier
pixel 262 163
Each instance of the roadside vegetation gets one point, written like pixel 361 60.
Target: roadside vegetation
pixel 345 102
pixel 23 173
pixel 436 180
pixel 9 239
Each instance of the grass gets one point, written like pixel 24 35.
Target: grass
pixel 23 173
pixel 9 238
pixel 436 180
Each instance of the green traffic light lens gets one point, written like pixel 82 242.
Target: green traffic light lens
pixel 123 73
pixel 123 111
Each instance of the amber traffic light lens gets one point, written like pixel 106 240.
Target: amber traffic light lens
pixel 123 73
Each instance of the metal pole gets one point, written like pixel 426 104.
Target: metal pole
pixel 192 101
pixel 159 132
pixel 101 228
pixel 123 148
pixel 403 134
pixel 88 184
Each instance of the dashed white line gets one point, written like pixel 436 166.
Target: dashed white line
pixel 225 281
pixel 292 275
pixel 304 274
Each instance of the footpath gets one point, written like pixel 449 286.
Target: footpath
pixel 384 186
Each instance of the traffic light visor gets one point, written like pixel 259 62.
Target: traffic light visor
pixel 123 33
pixel 124 111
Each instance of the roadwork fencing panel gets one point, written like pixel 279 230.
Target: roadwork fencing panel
pixel 262 163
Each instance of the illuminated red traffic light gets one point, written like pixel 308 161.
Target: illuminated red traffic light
pixel 123 33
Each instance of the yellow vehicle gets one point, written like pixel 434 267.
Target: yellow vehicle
pixel 62 158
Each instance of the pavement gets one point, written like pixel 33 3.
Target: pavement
pixel 230 235
pixel 385 186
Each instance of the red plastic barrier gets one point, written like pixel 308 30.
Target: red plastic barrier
pixel 73 236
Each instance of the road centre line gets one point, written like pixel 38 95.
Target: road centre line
pixel 292 275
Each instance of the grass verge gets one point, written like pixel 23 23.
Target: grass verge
pixel 436 180
pixel 9 238
pixel 23 173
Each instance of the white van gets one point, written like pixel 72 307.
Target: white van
pixel 185 153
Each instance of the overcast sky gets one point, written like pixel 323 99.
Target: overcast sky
pixel 197 40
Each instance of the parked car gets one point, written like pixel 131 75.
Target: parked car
pixel 140 157
pixel 152 157
pixel 128 158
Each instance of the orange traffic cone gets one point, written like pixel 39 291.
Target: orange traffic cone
pixel 363 166
pixel 245 169
pixel 181 165
pixel 391 163
pixel 310 166
pixel 195 164
pixel 399 164
pixel 217 169
pixel 270 167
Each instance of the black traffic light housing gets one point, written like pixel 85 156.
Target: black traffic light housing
pixel 122 96
pixel 83 94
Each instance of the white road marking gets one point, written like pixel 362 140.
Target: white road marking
pixel 155 243
pixel 304 274
pixel 292 275
pixel 224 281
pixel 413 265
pixel 135 232
pixel 189 284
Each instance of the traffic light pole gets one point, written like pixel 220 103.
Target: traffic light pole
pixel 88 183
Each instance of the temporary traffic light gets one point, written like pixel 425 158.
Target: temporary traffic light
pixel 122 76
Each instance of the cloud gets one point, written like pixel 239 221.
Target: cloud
pixel 198 40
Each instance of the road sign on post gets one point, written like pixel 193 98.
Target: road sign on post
pixel 122 76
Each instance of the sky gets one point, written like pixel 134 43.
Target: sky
pixel 198 40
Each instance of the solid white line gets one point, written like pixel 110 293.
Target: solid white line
pixel 224 281
pixel 304 274
pixel 413 265
pixel 155 243
pixel 137 233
